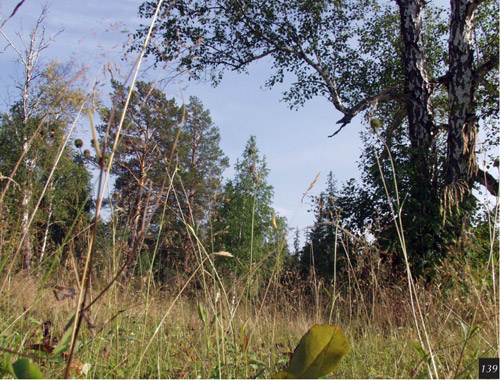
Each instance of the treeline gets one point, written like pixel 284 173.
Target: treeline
pixel 168 196
pixel 167 191
pixel 422 78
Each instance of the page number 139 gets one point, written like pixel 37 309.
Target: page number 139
pixel 488 368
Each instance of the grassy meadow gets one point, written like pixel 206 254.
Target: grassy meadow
pixel 218 330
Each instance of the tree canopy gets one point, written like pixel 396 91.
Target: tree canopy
pixel 355 53
pixel 243 224
pixel 423 76
pixel 168 157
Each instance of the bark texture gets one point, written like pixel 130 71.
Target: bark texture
pixel 463 122
pixel 417 84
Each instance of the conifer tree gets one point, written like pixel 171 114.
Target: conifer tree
pixel 244 220
pixel 168 156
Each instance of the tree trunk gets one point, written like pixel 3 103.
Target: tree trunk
pixel 46 233
pixel 463 122
pixel 26 250
pixel 418 97
pixel 423 201
pixel 24 228
pixel 133 243
pixel 417 86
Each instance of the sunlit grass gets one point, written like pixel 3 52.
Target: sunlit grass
pixel 383 342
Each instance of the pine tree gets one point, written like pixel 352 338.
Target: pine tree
pixel 142 158
pixel 202 162
pixel 323 243
pixel 168 156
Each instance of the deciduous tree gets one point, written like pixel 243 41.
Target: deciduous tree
pixel 430 77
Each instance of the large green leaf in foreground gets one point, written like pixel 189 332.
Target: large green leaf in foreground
pixel 24 369
pixel 317 354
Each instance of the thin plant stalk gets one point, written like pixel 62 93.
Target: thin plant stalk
pixel 88 263
pixel 334 294
pixel 415 305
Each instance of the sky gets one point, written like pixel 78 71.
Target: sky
pixel 294 142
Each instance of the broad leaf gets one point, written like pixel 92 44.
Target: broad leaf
pixel 202 314
pixel 7 366
pixel 317 354
pixel 24 369
pixel 63 345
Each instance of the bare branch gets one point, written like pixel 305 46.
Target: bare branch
pixel 12 14
pixel 11 44
pixel 385 95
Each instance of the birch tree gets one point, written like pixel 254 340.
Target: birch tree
pixel 429 74
pixel 48 102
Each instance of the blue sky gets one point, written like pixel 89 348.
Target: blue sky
pixel 295 143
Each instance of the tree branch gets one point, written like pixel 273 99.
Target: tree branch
pixel 12 14
pixel 298 51
pixel 488 181
pixel 443 80
pixel 485 67
pixel 238 63
pixel 384 95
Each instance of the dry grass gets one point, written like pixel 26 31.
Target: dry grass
pixel 383 339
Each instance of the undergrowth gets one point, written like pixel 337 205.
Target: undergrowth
pixel 202 337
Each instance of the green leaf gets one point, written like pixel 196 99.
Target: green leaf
pixel 63 344
pixel 24 369
pixel 422 353
pixel 7 366
pixel 202 314
pixel 420 350
pixel 259 373
pixel 473 331
pixel 70 321
pixel 317 354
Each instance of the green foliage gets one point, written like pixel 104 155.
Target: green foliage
pixel 356 54
pixel 324 238
pixel 63 345
pixel 317 354
pixel 168 156
pixel 226 35
pixel 393 182
pixel 388 174
pixel 244 220
pixel 36 132
pixel 21 369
